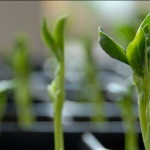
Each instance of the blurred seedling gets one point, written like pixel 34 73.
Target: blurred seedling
pixel 92 90
pixel 22 70
pixel 125 98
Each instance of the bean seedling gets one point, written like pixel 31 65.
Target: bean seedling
pixel 137 56
pixel 55 42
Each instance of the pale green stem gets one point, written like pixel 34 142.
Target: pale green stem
pixel 142 115
pixel 143 104
pixel 58 106
pixel 58 131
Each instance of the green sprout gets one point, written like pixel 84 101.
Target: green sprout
pixel 137 56
pixel 22 70
pixel 56 91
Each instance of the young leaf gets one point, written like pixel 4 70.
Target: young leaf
pixel 59 33
pixel 47 38
pixel 136 53
pixel 111 47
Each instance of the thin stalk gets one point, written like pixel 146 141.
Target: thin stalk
pixel 142 115
pixel 59 139
pixel 143 105
pixel 58 136
pixel 58 86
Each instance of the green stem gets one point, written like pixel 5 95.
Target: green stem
pixel 142 115
pixel 58 136
pixel 57 93
pixel 143 104
pixel 58 106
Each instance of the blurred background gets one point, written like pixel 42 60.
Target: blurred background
pixel 84 18
pixel 99 92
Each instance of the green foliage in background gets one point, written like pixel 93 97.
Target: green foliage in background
pixel 92 82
